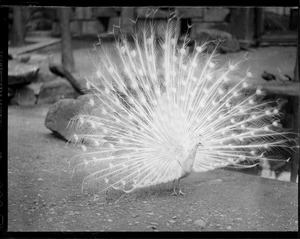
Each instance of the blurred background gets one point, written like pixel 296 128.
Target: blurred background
pixel 249 25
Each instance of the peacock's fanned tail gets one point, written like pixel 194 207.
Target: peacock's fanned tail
pixel 154 101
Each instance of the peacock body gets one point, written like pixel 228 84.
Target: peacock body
pixel 158 113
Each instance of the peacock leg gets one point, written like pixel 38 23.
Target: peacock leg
pixel 180 192
pixel 106 196
pixel 174 193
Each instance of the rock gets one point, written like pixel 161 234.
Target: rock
pixel 20 74
pixel 60 114
pixel 154 223
pixel 24 96
pixel 55 90
pixel 229 43
pixel 22 58
pixel 201 223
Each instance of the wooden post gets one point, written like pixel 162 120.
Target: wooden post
pixel 18 27
pixel 66 40
pixel 296 106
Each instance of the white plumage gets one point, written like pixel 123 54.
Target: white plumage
pixel 159 113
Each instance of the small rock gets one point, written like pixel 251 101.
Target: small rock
pixel 228 227
pixel 172 221
pixel 40 179
pixel 189 220
pixel 135 215
pixel 109 220
pixel 153 223
pixel 20 74
pixel 200 222
pixel 174 217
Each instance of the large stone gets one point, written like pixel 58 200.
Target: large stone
pixel 60 118
pixel 60 114
pixel 228 42
pixel 55 90
pixel 21 73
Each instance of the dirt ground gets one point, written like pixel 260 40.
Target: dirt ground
pixel 42 196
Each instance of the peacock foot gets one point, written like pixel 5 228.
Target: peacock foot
pixel 181 193
pixel 174 193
